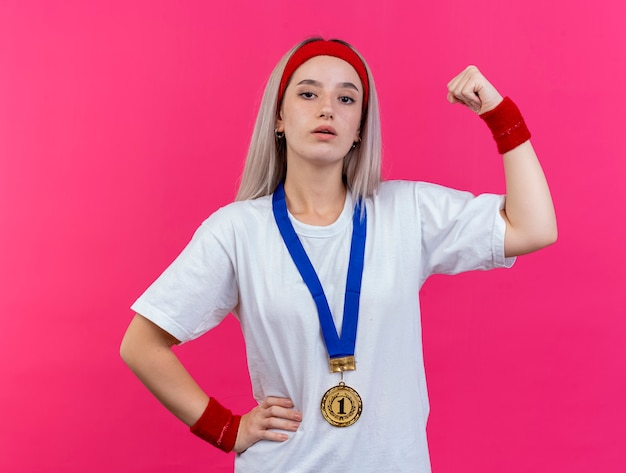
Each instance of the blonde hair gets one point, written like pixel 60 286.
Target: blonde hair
pixel 266 163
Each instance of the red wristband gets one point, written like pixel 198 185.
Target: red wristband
pixel 218 426
pixel 507 125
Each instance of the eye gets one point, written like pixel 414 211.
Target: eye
pixel 307 95
pixel 345 99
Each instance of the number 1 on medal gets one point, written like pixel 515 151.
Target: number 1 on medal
pixel 341 402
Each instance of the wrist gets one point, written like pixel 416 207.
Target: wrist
pixel 218 426
pixel 507 125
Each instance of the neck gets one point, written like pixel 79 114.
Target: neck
pixel 316 199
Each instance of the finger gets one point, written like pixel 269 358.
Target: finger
pixel 473 103
pixel 277 401
pixel 466 93
pixel 280 424
pixel 283 413
pixel 451 98
pixel 455 80
pixel 462 77
pixel 273 436
pixel 469 87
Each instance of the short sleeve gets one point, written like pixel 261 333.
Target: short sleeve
pixel 196 291
pixel 460 231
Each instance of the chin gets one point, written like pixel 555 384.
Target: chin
pixel 327 160
pixel 320 156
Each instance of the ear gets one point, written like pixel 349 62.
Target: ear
pixel 357 136
pixel 280 124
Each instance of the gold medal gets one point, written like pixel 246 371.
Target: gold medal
pixel 341 405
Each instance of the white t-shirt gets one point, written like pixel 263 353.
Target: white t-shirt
pixel 237 262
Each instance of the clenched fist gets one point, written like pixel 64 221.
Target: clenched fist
pixel 474 91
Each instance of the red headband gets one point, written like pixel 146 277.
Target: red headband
pixel 324 48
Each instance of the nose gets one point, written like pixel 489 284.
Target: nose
pixel 326 107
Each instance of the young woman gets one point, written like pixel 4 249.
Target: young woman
pixel 322 264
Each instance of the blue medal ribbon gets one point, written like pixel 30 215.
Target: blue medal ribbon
pixel 336 347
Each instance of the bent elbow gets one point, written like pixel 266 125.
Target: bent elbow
pixel 544 239
pixel 554 236
pixel 520 244
pixel 125 350
pixel 550 234
pixel 129 348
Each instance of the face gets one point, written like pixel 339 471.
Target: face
pixel 321 111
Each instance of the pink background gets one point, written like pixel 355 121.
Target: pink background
pixel 124 124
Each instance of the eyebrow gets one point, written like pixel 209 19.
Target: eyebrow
pixel 342 85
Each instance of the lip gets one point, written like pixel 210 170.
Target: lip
pixel 325 130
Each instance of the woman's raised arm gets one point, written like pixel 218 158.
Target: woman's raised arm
pixel 528 212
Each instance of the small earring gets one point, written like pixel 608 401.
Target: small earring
pixel 279 134
pixel 356 143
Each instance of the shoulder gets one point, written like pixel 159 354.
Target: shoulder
pixel 428 201
pixel 236 217
pixel 404 186
pixel 416 191
pixel 240 211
